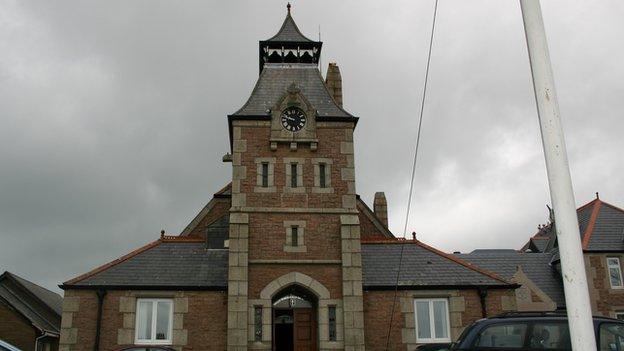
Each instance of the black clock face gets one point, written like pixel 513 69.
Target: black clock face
pixel 293 119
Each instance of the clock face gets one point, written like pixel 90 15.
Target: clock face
pixel 293 119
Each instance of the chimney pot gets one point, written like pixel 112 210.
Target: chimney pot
pixel 380 206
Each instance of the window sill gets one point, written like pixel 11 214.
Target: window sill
pixel 319 190
pixel 262 189
pixel 297 190
pixel 302 248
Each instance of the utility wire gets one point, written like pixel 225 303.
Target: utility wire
pixel 411 188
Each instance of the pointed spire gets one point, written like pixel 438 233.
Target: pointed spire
pixel 289 31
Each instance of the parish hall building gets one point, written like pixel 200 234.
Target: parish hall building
pixel 286 256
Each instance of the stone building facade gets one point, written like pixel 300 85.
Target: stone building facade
pixel 286 256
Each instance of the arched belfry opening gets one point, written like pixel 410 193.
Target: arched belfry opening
pixel 295 319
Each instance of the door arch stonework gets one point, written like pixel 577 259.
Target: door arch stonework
pixel 324 301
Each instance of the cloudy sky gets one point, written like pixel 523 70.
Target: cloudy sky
pixel 113 116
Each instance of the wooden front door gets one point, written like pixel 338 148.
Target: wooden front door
pixel 305 329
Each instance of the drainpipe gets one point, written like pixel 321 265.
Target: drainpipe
pixel 483 296
pixel 98 323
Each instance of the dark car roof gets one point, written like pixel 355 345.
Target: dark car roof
pixel 538 316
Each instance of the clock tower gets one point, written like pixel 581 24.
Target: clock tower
pixel 295 267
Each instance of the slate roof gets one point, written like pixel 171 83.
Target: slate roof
pixel 601 226
pixel 173 262
pixel 289 32
pixel 605 229
pixel 274 82
pixel 40 306
pixel 536 266
pixel 422 266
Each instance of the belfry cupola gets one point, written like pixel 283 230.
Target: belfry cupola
pixel 289 45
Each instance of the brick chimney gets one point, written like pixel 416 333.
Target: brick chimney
pixel 380 206
pixel 333 81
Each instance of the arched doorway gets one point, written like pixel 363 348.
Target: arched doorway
pixel 294 319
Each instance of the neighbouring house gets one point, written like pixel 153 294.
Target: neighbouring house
pixel 537 268
pixel 602 236
pixel 286 256
pixel 30 315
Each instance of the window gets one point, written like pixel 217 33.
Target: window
pixel 615 272
pixel 322 175
pixel 550 336
pixel 619 315
pixel 265 175
pixel 508 336
pixel 331 314
pixel 432 320
pixel 154 321
pixel 293 175
pixel 611 336
pixel 294 233
pixel 258 323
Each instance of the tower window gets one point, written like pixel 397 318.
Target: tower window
pixel 265 174
pixel 258 323
pixel 322 175
pixel 294 236
pixel 293 175
pixel 331 325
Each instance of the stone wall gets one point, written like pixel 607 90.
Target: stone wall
pixel 606 301
pixel 199 319
pixel 464 308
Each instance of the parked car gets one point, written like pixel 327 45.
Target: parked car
pixel 5 346
pixel 535 331
pixel 434 347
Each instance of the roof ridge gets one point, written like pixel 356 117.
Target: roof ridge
pixel 113 263
pixel 181 239
pixel 20 281
pixel 592 223
pixel 31 282
pixel 462 262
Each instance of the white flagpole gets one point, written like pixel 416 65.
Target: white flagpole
pixel 561 194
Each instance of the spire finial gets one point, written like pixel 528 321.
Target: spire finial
pixel 288 7
pixel 597 196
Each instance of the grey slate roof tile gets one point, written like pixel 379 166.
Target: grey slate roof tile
pixel 535 265
pixel 608 232
pixel 174 264
pixel 274 82
pixel 420 267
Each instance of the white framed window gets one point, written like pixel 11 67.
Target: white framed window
pixel 154 319
pixel 615 272
pixel 432 320
pixel 619 315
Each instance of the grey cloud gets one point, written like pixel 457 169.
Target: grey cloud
pixel 114 116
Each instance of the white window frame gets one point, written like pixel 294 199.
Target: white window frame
pixel 153 341
pixel 433 339
pixel 619 269
pixel 617 315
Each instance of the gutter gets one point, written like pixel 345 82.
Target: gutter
pixel 45 334
pixel 98 324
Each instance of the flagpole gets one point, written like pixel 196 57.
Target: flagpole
pixel 561 193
